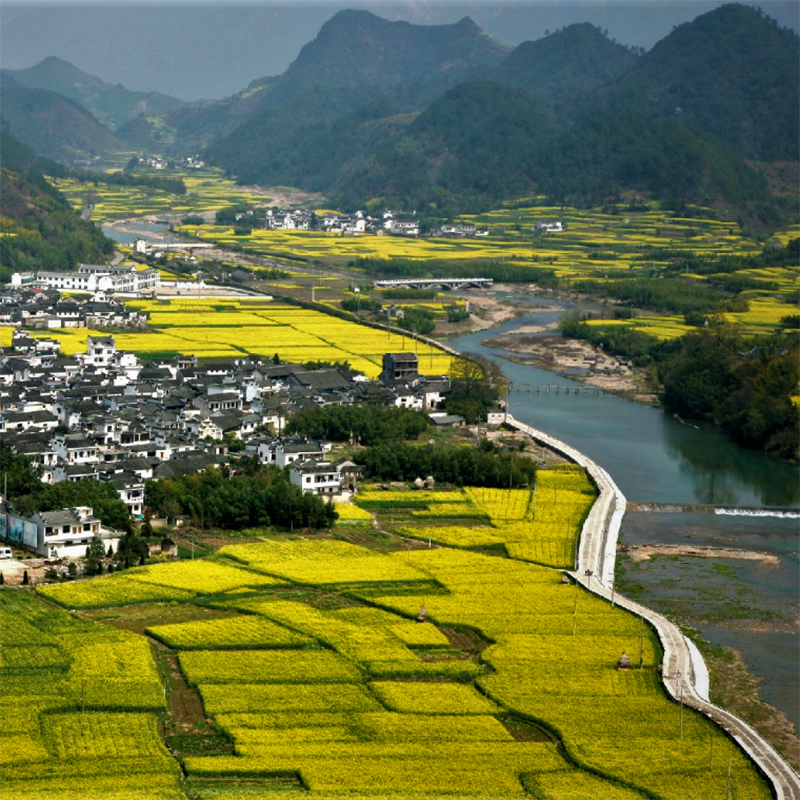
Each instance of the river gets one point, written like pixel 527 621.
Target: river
pixel 654 457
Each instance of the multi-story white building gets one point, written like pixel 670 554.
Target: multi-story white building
pixel 93 278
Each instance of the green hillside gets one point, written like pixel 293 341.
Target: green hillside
pixel 111 104
pixel 53 125
pixel 40 230
pixel 578 58
pixel 731 72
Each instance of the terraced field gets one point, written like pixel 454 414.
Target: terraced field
pixel 206 190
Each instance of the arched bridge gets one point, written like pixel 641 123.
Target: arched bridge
pixel 430 283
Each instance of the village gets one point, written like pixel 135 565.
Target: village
pixel 387 223
pixel 106 415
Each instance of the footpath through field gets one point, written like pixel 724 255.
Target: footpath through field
pixel 684 672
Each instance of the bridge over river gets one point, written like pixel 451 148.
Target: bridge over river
pixel 431 283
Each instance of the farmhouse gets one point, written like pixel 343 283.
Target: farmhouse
pixel 56 534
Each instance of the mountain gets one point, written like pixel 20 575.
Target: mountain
pixel 576 59
pixel 477 143
pixel 47 233
pixel 111 104
pixel 358 54
pixel 482 143
pixel 52 125
pixel 556 131
pixel 358 48
pixel 731 72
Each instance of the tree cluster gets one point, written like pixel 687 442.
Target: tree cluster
pixel 460 465
pixel 367 425
pixel 255 496
pixel 471 395
pixel 742 384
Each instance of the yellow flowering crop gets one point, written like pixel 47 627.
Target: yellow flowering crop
pixel 432 698
pixel 229 633
pixel 267 666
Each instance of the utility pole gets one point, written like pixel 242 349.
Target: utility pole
pixel 641 641
pixel 575 611
pixel 728 792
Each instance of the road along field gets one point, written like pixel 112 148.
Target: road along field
pixel 215 328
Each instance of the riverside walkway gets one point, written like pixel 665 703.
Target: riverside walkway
pixel 684 671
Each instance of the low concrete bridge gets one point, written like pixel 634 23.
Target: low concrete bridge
pixel 729 511
pixel 430 283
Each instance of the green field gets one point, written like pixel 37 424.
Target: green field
pixel 318 682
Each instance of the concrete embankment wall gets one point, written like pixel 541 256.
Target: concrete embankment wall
pixel 684 673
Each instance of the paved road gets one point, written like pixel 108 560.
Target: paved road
pixel 682 674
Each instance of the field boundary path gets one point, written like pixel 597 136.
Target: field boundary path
pixel 684 672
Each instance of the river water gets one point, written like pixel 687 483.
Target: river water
pixel 654 457
pixel 137 229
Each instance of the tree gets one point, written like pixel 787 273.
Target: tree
pixel 471 395
pixel 94 557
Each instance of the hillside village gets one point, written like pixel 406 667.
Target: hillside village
pixel 106 415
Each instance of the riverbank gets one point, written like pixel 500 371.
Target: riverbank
pixel 575 359
pixel 684 672
pixel 647 551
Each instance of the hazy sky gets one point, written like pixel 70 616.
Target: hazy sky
pixel 211 49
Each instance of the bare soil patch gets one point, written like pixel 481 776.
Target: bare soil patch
pixel 645 552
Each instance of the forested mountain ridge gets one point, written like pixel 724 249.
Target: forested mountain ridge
pixel 362 57
pixel 358 48
pixel 111 104
pixel 578 58
pixel 45 232
pixel 474 144
pixel 731 72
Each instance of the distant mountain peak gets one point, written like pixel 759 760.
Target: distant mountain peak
pixel 112 104
pixel 578 58
pixel 725 70
pixel 359 48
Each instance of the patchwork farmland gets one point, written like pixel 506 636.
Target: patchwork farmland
pixel 313 673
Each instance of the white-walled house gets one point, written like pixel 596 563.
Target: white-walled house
pixel 317 477
pixel 57 534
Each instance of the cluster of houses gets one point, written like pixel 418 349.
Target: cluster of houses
pixel 106 415
pixel 394 223
pixel 154 162
pixel 159 163
pixel 92 278
pixel 391 223
pixel 48 309
pixel 549 226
